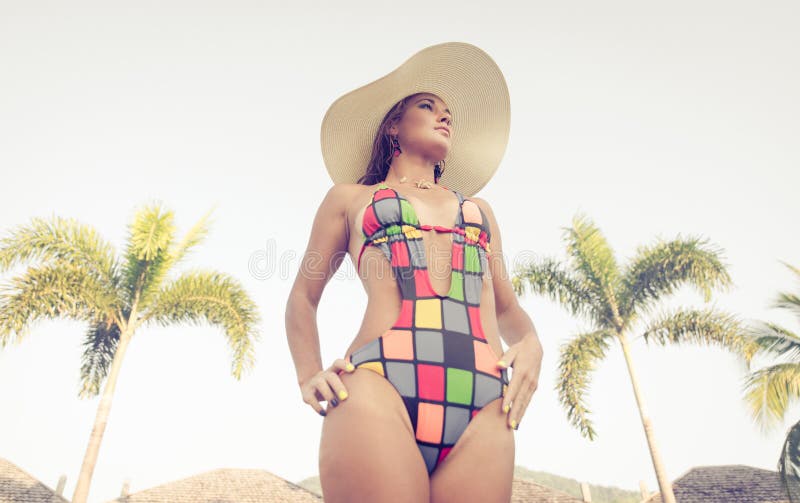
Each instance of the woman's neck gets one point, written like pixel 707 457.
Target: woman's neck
pixel 414 172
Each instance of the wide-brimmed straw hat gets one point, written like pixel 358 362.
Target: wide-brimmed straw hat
pixel 464 77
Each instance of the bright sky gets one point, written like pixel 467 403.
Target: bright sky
pixel 656 119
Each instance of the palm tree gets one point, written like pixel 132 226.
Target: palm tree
pixel 78 276
pixel 789 463
pixel 593 286
pixel 770 390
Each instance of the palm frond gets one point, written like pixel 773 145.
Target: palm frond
pixel 789 463
pixel 60 239
pixel 150 235
pixel 788 301
pixel 769 392
pixel 549 278
pixel 194 237
pixel 199 296
pixel 578 358
pixel 792 268
pixel 703 327
pixel 658 270
pixel 99 346
pixel 776 340
pixel 592 258
pixel 60 289
pixel 162 266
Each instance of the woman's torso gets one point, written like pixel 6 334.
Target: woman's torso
pixel 383 292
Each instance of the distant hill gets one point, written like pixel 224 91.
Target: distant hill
pixel 312 484
pixel 600 494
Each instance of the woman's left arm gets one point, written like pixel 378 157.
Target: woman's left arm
pixel 524 353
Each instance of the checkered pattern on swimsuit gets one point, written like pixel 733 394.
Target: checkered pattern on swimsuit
pixel 435 354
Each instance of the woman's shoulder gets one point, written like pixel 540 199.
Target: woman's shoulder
pixel 348 197
pixel 346 192
pixel 482 203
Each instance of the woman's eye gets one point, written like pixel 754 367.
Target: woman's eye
pixel 427 105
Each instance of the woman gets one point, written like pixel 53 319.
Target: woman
pixel 421 407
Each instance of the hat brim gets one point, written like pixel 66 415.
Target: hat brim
pixel 464 77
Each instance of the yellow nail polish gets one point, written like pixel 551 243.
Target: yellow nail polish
pixel 502 363
pixel 514 423
pixel 343 394
pixel 506 408
pixel 350 367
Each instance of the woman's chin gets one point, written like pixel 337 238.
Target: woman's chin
pixel 437 148
pixel 440 149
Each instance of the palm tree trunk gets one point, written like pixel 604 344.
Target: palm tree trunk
pixel 103 409
pixel 664 485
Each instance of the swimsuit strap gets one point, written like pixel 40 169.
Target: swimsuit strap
pixel 367 240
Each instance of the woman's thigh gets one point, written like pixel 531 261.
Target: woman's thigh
pixel 368 450
pixel 480 467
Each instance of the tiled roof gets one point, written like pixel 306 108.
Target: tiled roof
pixel 225 485
pixel 17 486
pixel 522 491
pixel 526 491
pixel 727 483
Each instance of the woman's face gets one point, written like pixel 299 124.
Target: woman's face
pixel 425 127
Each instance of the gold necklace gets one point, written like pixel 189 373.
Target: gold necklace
pixel 421 184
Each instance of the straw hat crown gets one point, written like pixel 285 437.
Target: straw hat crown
pixel 464 77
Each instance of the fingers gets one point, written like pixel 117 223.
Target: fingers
pixel 341 365
pixel 508 357
pixel 337 386
pixel 518 396
pixel 326 385
pixel 311 397
pixel 520 406
pixel 322 391
pixel 511 395
pixel 520 389
pixel 505 362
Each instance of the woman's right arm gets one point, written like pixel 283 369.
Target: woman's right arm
pixel 327 247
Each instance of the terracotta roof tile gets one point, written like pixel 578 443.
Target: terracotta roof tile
pixel 225 485
pixel 522 491
pixel 17 486
pixel 526 491
pixel 727 483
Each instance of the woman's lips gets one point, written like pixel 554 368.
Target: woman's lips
pixel 443 129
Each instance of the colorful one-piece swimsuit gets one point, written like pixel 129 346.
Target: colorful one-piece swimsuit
pixel 435 355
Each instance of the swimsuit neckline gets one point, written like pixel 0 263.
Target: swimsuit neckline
pixel 459 218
